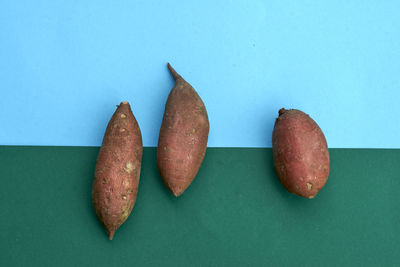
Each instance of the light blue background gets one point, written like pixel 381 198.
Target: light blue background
pixel 64 65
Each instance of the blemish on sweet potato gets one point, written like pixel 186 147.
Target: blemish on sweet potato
pixel 309 186
pixel 129 167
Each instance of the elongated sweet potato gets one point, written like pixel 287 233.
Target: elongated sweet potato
pixel 117 172
pixel 300 152
pixel 183 136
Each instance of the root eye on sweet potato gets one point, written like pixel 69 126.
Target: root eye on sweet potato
pixel 183 136
pixel 117 172
pixel 300 152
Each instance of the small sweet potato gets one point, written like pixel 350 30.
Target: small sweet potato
pixel 117 172
pixel 183 136
pixel 300 153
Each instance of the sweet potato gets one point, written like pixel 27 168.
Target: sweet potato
pixel 183 136
pixel 300 152
pixel 117 172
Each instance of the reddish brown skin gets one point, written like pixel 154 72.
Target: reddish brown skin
pixel 183 136
pixel 117 172
pixel 300 152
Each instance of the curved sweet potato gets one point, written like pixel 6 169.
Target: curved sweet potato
pixel 183 136
pixel 117 173
pixel 300 153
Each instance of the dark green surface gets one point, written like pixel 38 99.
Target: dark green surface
pixel 235 213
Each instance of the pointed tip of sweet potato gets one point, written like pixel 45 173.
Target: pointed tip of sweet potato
pixel 111 234
pixel 176 190
pixel 173 72
pixel 281 111
pixel 176 193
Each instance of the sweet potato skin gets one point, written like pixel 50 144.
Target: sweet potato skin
pixel 183 136
pixel 117 172
pixel 300 152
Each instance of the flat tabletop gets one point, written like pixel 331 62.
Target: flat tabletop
pixel 236 212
